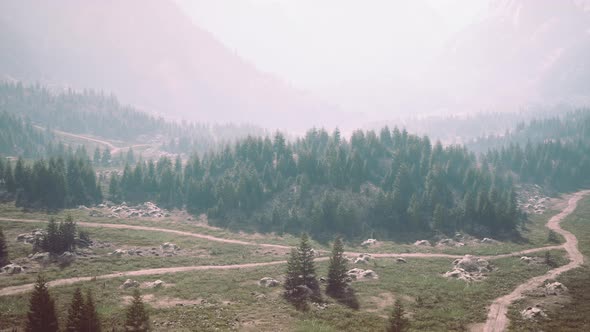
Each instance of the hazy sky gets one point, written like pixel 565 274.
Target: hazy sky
pixel 336 47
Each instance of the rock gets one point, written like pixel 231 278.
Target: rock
pixel 130 283
pixel 487 240
pixel 41 257
pixel 13 269
pixel 157 284
pixel 533 313
pixel 400 260
pixel 66 258
pixel 422 243
pixel 468 263
pixel 118 252
pixel 95 213
pixel 169 246
pixel 369 242
pixel 363 259
pixel 323 280
pixel 356 274
pixel 555 288
pixel 32 237
pixel 268 282
pixel 526 259
pixel 446 242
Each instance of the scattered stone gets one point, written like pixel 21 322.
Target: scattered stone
pixel 401 260
pixel 145 210
pixel 531 313
pixel 41 257
pixel 356 274
pixel 32 237
pixel 13 269
pixel 130 283
pixel 169 246
pixel 369 242
pixel 487 240
pixel 555 288
pixel 469 268
pixel 66 258
pixel 118 252
pixel 422 243
pixel 526 259
pixel 268 282
pixel 363 259
pixel 156 284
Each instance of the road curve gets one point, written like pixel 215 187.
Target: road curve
pixel 497 320
pixel 497 311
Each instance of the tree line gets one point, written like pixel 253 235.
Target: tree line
pixel 55 183
pixel 389 182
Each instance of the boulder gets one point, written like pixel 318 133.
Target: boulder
pixel 468 263
pixel 555 288
pixel 13 269
pixel 363 259
pixel 356 274
pixel 268 282
pixel 169 246
pixel 41 257
pixel 130 283
pixel 533 313
pixel 157 284
pixel 526 259
pixel 118 252
pixel 66 258
pixel 400 260
pixel 459 274
pixel 422 243
pixel 487 240
pixel 369 242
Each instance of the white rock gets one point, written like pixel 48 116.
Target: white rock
pixel 268 282
pixel 130 283
pixel 369 242
pixel 555 288
pixel 13 269
pixel 422 243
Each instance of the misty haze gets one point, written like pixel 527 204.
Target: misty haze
pixel 294 165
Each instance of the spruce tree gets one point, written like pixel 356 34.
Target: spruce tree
pixel 90 319
pixel 137 317
pixel 337 271
pixel 306 256
pixel 293 277
pixel 76 312
pixel 41 316
pixel 397 321
pixel 3 250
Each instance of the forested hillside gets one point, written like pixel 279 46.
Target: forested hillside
pixel 392 183
pixel 94 113
pixel 553 152
pixel 19 137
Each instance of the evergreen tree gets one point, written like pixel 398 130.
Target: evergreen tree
pixel 137 318
pixel 76 313
pixel 97 156
pixel 337 285
pixel 306 257
pixel 90 319
pixel 41 316
pixel 397 321
pixel 3 250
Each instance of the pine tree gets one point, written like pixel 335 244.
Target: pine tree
pixel 137 317
pixel 306 256
pixel 3 250
pixel 397 321
pixel 41 316
pixel 293 274
pixel 90 319
pixel 337 271
pixel 76 313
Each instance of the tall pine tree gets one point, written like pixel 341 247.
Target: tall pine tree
pixel 337 271
pixel 137 319
pixel 41 316
pixel 3 250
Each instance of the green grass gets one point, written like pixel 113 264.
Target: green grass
pixel 575 315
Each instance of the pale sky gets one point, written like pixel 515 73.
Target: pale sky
pixel 336 48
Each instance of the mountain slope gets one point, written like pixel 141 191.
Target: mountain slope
pixel 149 54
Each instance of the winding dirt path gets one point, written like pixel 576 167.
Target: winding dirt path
pixel 497 320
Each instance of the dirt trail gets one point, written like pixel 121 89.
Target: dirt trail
pixel 110 145
pixel 13 290
pixel 497 311
pixel 497 320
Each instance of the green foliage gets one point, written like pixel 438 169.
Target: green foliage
pixel 41 316
pixel 60 237
pixel 397 322
pixel 336 283
pixel 75 312
pixel 301 283
pixel 137 318
pixel 3 250
pixel 90 318
pixel 552 237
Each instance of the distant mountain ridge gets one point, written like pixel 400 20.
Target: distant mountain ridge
pixel 149 54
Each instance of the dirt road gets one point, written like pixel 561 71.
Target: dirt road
pixel 497 320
